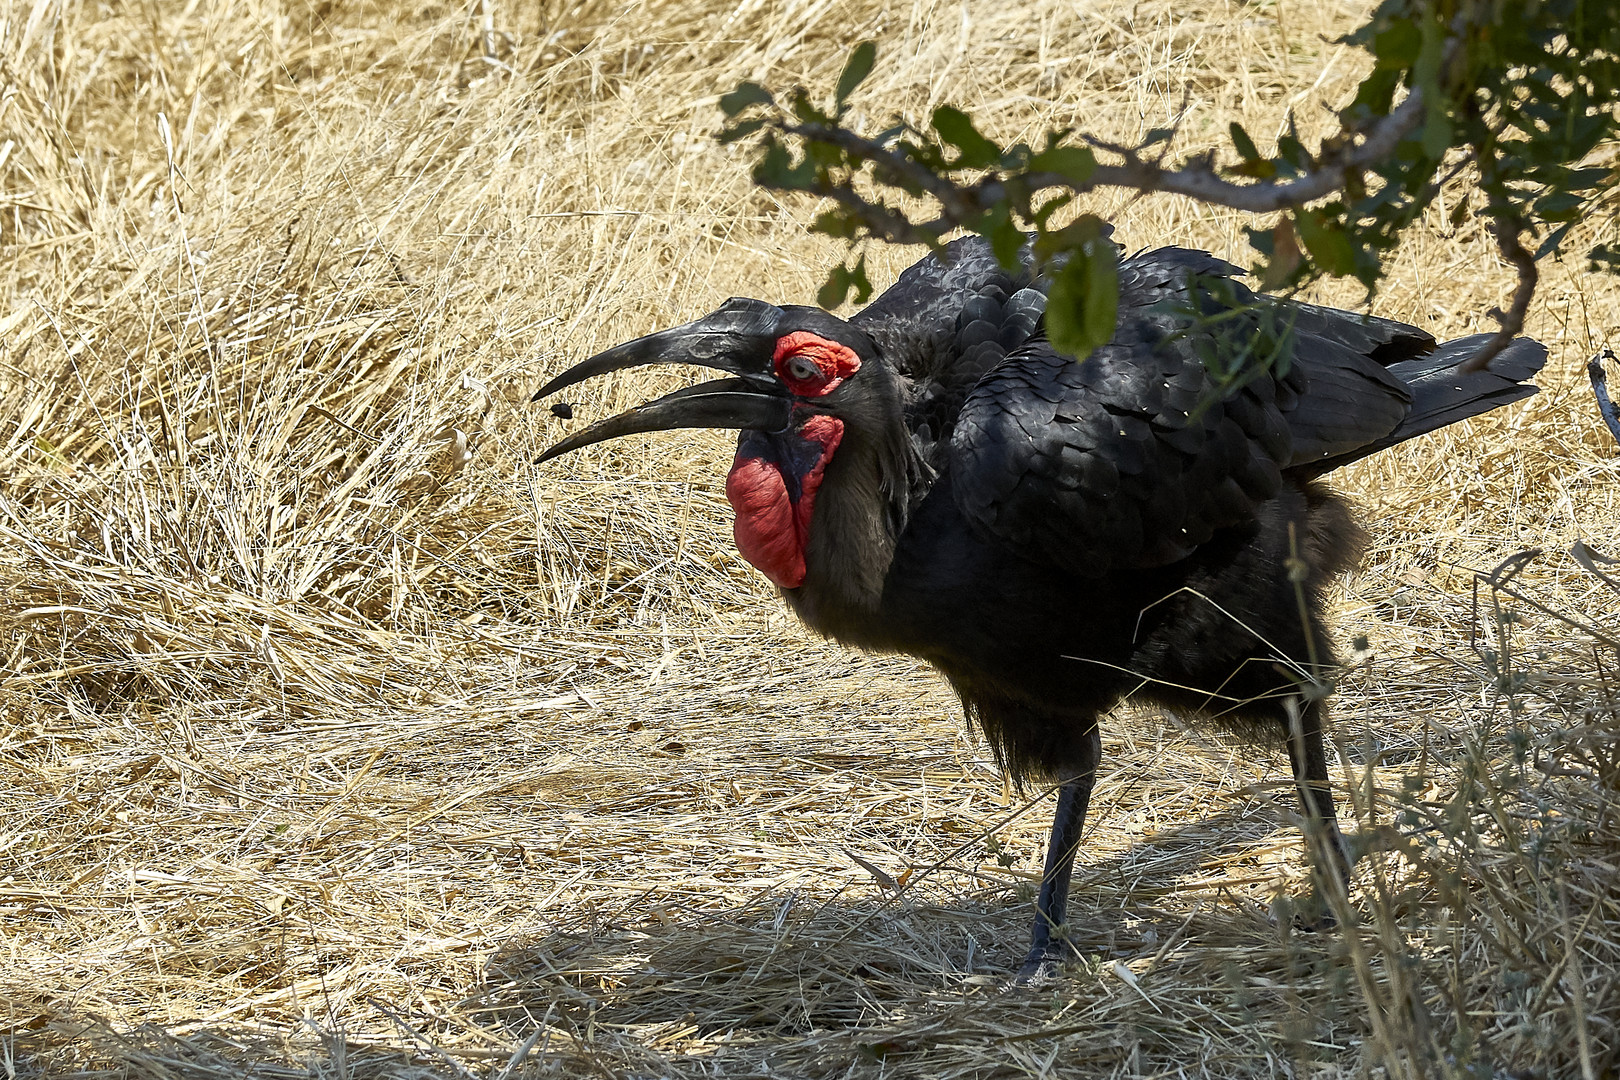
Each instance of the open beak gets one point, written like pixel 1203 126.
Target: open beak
pixel 739 338
pixel 723 403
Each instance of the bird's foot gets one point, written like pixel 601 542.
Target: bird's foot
pixel 1044 964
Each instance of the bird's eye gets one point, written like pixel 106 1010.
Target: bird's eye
pixel 803 369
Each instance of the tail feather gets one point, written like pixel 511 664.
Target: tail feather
pixel 1443 395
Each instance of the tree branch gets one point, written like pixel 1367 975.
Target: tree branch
pixel 1329 175
pixel 1600 387
pixel 1507 231
pixel 904 169
pixel 1506 225
pixel 885 222
pixel 960 203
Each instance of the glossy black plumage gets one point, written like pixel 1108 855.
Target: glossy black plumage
pixel 1054 534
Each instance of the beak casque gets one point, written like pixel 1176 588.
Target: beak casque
pixel 738 337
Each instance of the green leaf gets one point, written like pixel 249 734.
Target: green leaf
pixel 1004 235
pixel 1043 213
pixel 856 69
pixel 1082 305
pixel 1436 129
pixel 1398 46
pixel 1158 135
pixel 974 151
pixel 1330 248
pixel 1065 317
pixel 840 280
pixel 1376 94
pixel 1053 247
pixel 1074 163
pixel 746 94
pixel 1426 76
pixel 1284 257
pixel 1102 293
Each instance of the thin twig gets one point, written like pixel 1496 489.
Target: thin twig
pixel 1588 559
pixel 1600 387
pixel 1507 226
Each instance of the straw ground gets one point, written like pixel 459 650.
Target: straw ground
pixel 338 740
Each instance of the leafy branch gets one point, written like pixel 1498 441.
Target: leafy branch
pixel 1523 92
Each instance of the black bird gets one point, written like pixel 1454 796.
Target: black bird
pixel 932 477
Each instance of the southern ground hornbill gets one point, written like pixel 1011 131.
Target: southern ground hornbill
pixel 932 477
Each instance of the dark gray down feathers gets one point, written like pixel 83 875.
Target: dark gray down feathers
pixel 1135 456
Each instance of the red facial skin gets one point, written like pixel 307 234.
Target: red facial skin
pixel 836 361
pixel 772 527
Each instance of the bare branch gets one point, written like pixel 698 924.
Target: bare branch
pixel 885 222
pixel 1600 387
pixel 1329 175
pixel 961 203
pixel 948 194
pixel 1506 227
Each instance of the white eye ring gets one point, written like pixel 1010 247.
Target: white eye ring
pixel 803 369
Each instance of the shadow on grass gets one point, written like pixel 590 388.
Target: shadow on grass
pixel 795 987
pixel 795 984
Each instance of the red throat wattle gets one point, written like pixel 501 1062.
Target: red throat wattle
pixel 772 526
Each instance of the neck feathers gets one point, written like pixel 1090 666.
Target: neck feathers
pixel 871 485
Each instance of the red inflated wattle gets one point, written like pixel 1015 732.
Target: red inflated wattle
pixel 765 531
pixel 836 360
pixel 771 529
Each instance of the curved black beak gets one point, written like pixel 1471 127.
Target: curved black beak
pixel 738 337
pixel 723 403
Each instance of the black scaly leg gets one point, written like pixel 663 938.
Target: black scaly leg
pixel 1308 756
pixel 1051 907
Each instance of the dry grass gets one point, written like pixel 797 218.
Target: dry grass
pixel 337 740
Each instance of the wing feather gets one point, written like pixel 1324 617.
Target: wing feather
pixel 943 324
pixel 1142 451
pixel 1137 454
